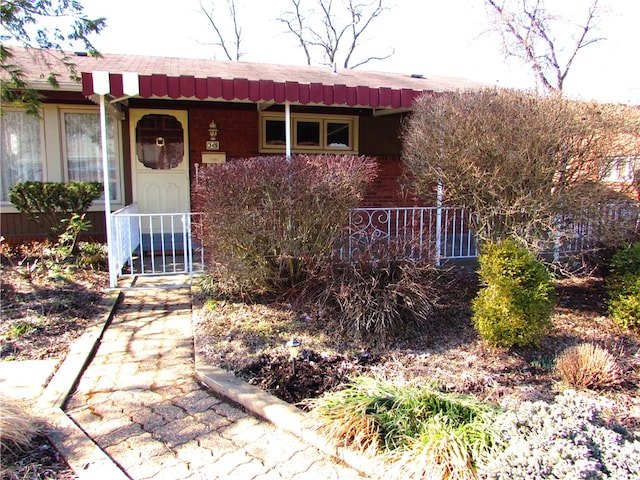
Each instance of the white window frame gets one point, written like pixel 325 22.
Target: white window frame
pixel 118 139
pixel 52 152
pixel 323 120
pixel 6 204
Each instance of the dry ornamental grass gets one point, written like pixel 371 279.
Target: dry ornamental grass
pixel 588 366
pixel 17 428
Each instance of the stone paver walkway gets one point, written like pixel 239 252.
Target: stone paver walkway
pixel 138 400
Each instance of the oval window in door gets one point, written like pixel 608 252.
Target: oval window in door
pixel 159 141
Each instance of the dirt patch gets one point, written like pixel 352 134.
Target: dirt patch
pixel 40 462
pixel 43 312
pixel 249 340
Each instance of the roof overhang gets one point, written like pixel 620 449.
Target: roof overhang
pixel 259 91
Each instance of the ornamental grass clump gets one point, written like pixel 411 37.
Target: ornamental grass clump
pixel 17 428
pixel 623 287
pixel 566 439
pixel 420 431
pixel 588 366
pixel 515 306
pixel 372 296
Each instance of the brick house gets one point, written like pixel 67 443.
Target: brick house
pixel 185 113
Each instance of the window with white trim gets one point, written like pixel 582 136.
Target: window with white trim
pixel 310 133
pixel 63 144
pixel 622 169
pixel 21 150
pixel 82 151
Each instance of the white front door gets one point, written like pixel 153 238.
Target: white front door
pixel 160 160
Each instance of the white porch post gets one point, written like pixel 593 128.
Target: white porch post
pixel 287 129
pixel 101 87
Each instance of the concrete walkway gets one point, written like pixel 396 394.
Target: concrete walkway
pixel 138 400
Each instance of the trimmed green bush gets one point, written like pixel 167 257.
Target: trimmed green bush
pixel 623 287
pixel 51 204
pixel 515 306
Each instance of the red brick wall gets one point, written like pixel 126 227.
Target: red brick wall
pixel 16 228
pixel 237 130
pixel 386 190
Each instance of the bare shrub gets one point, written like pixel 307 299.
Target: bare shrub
pixel 270 220
pixel 527 166
pixel 588 366
pixel 17 428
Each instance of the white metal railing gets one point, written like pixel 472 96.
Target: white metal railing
pixel 154 244
pixel 445 233
pixel 420 232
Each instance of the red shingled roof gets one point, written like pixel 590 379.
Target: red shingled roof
pixel 187 78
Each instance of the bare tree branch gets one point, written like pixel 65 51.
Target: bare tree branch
pixel 295 26
pixel 209 13
pixel 358 27
pixel 334 33
pixel 528 32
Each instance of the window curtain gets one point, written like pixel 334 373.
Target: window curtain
pixel 83 153
pixel 20 150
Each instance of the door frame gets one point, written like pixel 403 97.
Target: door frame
pixel 135 114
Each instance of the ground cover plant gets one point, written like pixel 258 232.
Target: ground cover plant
pixel 568 438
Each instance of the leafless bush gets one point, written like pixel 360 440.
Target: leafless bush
pixel 527 166
pixel 269 220
pixel 588 366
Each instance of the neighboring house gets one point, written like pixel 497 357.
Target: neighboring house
pixel 188 113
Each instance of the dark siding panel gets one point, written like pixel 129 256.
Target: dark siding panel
pixel 379 135
pixel 17 228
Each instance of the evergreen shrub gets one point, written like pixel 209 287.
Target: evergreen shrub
pixel 515 306
pixel 51 205
pixel 623 287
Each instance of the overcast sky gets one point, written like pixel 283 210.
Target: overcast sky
pixel 430 37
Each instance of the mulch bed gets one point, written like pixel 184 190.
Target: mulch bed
pixel 248 339
pixel 42 313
